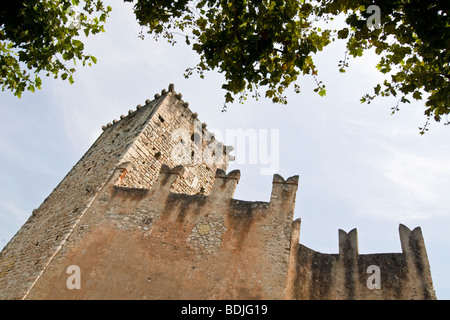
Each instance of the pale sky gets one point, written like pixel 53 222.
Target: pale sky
pixel 359 166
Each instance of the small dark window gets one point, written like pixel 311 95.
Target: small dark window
pixel 161 118
pixel 157 155
pixel 196 138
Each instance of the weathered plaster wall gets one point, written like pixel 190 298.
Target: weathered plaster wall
pixel 155 244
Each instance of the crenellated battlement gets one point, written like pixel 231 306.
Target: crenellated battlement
pixel 223 188
pixel 348 242
pixel 216 226
pixel 203 237
pixel 350 275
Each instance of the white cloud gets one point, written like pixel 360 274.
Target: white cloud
pixel 406 186
pixel 423 178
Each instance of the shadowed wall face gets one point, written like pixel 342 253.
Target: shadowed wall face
pixel 349 275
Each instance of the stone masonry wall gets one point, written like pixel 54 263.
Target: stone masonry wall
pixel 174 136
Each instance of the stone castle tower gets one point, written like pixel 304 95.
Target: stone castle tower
pixel 148 213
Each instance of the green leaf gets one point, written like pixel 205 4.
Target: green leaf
pixel 77 43
pixel 343 34
pixel 322 92
pixel 417 95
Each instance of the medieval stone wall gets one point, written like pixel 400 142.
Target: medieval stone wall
pixel 26 256
pixel 148 213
